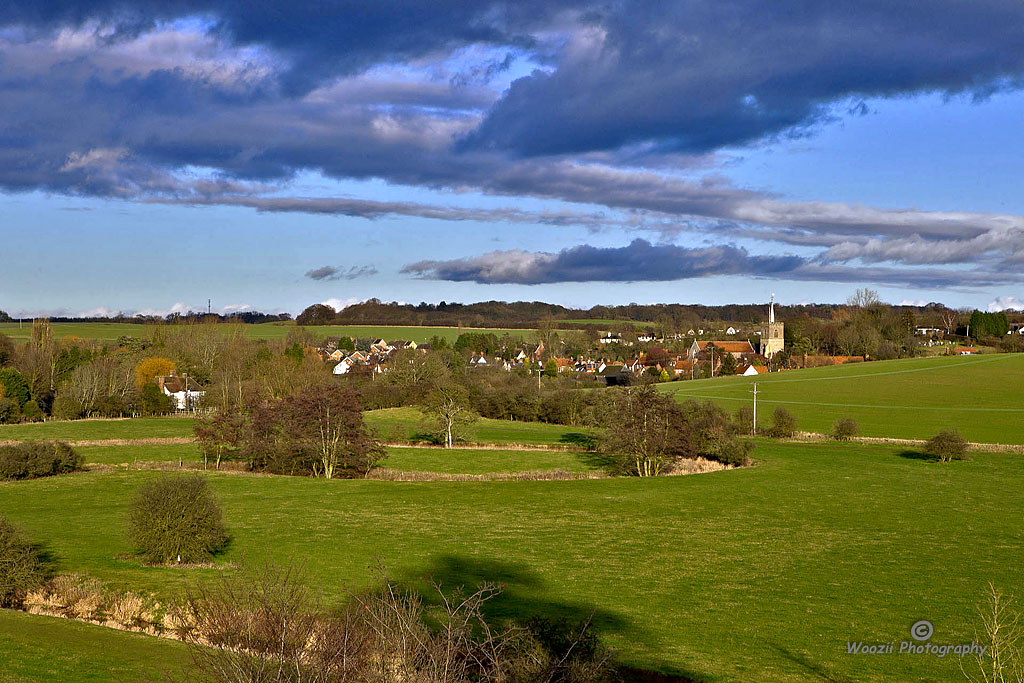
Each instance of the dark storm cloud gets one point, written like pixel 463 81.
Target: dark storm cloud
pixel 642 261
pixel 130 105
pixel 319 40
pixel 330 273
pixel 695 75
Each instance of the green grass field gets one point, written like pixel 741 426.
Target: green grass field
pixel 187 454
pixel 36 648
pixel 109 332
pixel 753 574
pixel 392 424
pixel 89 430
pixel 401 424
pixel 486 461
pixel 982 396
pixel 454 461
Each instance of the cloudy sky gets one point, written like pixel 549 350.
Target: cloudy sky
pixel 270 155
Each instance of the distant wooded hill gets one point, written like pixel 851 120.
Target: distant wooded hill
pixel 528 314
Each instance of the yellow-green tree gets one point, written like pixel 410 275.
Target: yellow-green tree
pixel 149 369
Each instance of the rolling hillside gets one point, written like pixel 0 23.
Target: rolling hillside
pixel 982 396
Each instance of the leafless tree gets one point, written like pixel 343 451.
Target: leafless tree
pixel 863 298
pixel 448 403
pixel 950 320
pixel 1002 633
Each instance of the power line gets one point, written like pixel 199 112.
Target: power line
pixel 858 405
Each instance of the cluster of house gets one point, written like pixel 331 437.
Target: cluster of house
pixel 374 358
pixel 749 361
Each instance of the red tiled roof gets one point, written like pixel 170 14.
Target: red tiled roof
pixel 728 346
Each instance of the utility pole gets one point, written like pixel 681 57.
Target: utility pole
pixel 753 430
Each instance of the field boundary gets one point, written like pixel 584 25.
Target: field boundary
pixel 816 437
pixel 155 441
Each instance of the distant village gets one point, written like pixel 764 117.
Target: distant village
pixel 612 357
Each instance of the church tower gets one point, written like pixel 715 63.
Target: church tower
pixel 771 334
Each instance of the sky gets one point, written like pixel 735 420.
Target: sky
pixel 270 155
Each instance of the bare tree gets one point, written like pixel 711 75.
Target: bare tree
pixel 950 320
pixel 647 431
pixel 1002 634
pixel 864 298
pixel 449 404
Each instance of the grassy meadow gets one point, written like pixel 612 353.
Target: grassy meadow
pixel 752 574
pixel 169 427
pixel 391 424
pixel 109 332
pixel 29 652
pixel 760 573
pixel 487 461
pixel 401 424
pixel 982 396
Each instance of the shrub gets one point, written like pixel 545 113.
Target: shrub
pixel 267 625
pixel 33 459
pixel 176 519
pixel 153 401
pixel 21 567
pixel 712 434
pixel 947 445
pixel 15 386
pixel 67 408
pixel 783 424
pixel 845 429
pixel 31 412
pixel 9 412
pixel 744 419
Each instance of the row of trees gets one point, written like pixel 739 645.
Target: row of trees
pixel 667 318
pixel 318 431
pixel 71 378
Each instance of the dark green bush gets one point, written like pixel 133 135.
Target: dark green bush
pixel 33 459
pixel 176 519
pixel 31 412
pixel 783 424
pixel 845 429
pixel 947 445
pixel 67 408
pixel 15 386
pixel 21 567
pixel 9 412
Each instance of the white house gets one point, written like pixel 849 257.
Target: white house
pixel 185 393
pixel 344 366
pixel 732 330
pixel 645 337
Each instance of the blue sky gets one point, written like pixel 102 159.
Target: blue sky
pixel 155 155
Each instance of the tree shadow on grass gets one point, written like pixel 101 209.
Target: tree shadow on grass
pixel 815 669
pixel 601 461
pixel 587 442
pixel 917 455
pixel 526 599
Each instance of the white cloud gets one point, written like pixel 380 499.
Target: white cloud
pixel 338 304
pixel 1006 303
